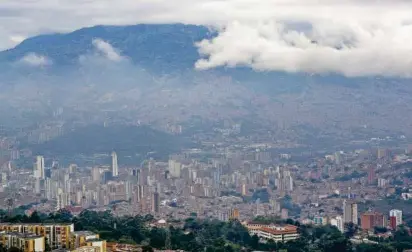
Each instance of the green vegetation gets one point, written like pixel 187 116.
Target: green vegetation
pixel 213 235
pixel 126 140
pixel 261 194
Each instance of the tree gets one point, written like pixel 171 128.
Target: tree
pixel 157 238
pixel 35 217
pixel 254 242
pixel 351 229
pixel 47 247
pixel 380 230
pixel 147 249
pixel 14 249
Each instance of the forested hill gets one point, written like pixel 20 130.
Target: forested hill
pixel 125 140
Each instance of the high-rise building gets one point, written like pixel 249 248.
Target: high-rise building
pixel 234 214
pixel 244 190
pixel 339 223
pixel 371 175
pixel 62 200
pixel 398 217
pixel 151 165
pixel 96 174
pixel 155 202
pixel 350 212
pixel 139 191
pixel 259 208
pixel 216 175
pixel 275 206
pixel 72 168
pixel 48 189
pixel 382 153
pixel 107 176
pixel 174 168
pixel 37 185
pixel 39 167
pixel 284 214
pixel 115 168
pixel 223 215
pixel 369 220
pixel 128 188
pixel 382 182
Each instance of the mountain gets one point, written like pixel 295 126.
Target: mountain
pixel 158 85
pixel 126 140
pixel 158 48
pixel 163 48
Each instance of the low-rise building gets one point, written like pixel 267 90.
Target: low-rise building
pixel 86 238
pixel 24 242
pixel 278 233
pixel 56 235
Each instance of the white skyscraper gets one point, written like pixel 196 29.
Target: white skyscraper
pixel 350 212
pixel 48 188
pixel 39 167
pixel 96 174
pixel 115 168
pixel 338 222
pixel 37 186
pixel 62 199
pixel 175 168
pixel 398 214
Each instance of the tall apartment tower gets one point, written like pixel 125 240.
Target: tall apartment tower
pixel 115 167
pixel 350 212
pixel 39 167
pixel 155 202
pixel 397 214
pixel 339 223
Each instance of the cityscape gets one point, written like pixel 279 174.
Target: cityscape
pixel 248 183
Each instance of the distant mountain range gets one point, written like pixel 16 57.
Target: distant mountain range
pixel 158 85
pixel 164 48
pixel 158 48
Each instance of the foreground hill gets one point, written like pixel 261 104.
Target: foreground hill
pixel 125 140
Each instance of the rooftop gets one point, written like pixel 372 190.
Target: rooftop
pixel 35 224
pixel 83 233
pixel 22 235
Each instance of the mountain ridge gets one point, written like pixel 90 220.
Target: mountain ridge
pixel 159 85
pixel 156 47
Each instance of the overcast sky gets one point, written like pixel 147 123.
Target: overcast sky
pixel 351 37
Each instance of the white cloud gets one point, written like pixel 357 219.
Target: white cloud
pixel 107 50
pixel 17 39
pixel 348 49
pixel 373 36
pixel 33 59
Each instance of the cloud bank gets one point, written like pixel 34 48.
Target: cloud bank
pixel 36 60
pixel 346 49
pixel 350 37
pixel 107 50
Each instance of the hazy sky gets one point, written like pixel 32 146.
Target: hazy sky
pixel 351 37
